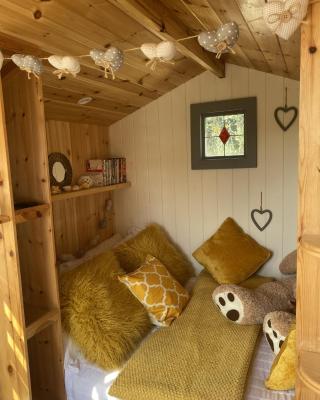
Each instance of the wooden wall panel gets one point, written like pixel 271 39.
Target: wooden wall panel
pixel 192 204
pixel 76 220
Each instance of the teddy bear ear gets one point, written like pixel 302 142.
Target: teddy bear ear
pixel 276 327
pixel 288 265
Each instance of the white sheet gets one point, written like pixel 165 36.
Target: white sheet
pixel 85 381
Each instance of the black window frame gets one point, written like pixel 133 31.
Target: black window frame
pixel 198 113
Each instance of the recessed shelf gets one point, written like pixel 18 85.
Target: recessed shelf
pixel 311 243
pixel 38 318
pixel 4 219
pixel 88 192
pixel 308 370
pixel 30 213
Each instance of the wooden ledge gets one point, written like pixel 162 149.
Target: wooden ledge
pixel 38 318
pixel 88 192
pixel 30 213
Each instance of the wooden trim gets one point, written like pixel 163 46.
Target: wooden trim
pixel 88 192
pixel 167 28
pixel 308 370
pixel 30 213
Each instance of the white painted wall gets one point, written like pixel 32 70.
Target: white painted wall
pixel 191 204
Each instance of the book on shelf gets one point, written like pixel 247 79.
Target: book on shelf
pixel 110 171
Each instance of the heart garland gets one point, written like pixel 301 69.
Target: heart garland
pixel 30 64
pixel 111 60
pixel 261 211
pixel 65 65
pixel 220 41
pixel 285 17
pixel 162 52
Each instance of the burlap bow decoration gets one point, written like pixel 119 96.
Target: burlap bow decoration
pixel 285 17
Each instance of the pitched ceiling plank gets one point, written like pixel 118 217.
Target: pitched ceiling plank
pixel 167 28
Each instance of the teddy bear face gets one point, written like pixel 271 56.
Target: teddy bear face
pixel 230 305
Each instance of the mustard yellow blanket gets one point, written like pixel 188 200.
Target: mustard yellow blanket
pixel 201 356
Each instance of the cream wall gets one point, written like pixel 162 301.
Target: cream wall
pixel 191 204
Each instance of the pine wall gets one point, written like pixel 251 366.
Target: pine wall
pixel 191 204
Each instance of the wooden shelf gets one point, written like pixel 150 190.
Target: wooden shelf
pixel 37 319
pixel 30 213
pixel 311 243
pixel 4 219
pixel 88 192
pixel 308 370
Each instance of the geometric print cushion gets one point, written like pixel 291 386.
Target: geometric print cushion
pixel 163 297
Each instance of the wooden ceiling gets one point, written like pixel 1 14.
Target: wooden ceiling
pixel 73 27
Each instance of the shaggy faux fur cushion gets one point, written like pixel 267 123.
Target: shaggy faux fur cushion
pixel 100 314
pixel 154 241
pixel 231 255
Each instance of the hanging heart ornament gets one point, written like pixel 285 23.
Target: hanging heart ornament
pixel 64 65
pixel 111 60
pixel 285 110
pixel 220 41
pixel 261 212
pixel 284 17
pixel 162 52
pixel 30 64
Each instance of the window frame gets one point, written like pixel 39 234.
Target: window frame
pixel 198 113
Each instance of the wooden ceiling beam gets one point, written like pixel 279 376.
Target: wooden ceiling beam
pixel 157 18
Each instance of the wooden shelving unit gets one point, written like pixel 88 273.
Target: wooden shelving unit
pixel 31 362
pixel 88 192
pixel 30 213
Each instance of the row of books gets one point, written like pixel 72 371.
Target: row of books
pixel 107 172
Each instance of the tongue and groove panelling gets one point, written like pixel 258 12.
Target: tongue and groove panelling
pixel 191 204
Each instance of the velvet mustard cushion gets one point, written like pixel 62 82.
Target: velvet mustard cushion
pixel 230 255
pixel 162 296
pixel 154 241
pixel 103 318
pixel 283 371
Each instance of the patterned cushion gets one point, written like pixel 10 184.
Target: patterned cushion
pixel 163 297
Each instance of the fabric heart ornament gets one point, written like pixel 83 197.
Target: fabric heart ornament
pixel 30 64
pixel 1 60
pixel 285 17
pixel 162 52
pixel 64 65
pixel 220 41
pixel 111 60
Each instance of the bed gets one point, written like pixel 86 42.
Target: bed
pixel 85 381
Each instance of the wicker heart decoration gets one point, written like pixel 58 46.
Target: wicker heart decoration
pixel 111 60
pixel 284 17
pixel 30 64
pixel 261 212
pixel 64 65
pixel 285 110
pixel 220 41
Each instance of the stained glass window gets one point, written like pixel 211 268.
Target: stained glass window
pixel 224 136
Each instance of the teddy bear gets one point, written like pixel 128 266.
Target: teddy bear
pixel 271 304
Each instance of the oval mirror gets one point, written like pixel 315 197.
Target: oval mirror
pixel 60 170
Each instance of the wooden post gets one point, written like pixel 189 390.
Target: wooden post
pixel 308 284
